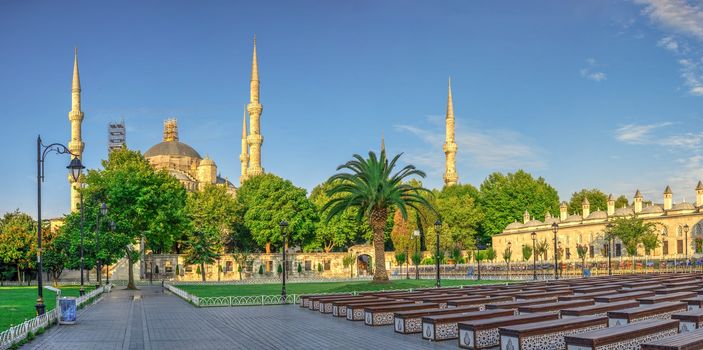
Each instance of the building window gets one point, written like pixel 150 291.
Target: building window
pixel 327 265
pixel 591 252
pixel 605 250
pixel 308 265
pixel 168 267
pixel 189 268
pixel 229 267
pixel 618 249
pixel 679 231
pixel 568 253
pixel 665 247
pixel 269 266
pixel 580 239
pixel 665 231
pixel 679 246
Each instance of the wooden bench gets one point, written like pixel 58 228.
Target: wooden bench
pixel 315 301
pixel 326 304
pixel 599 309
pixel 671 290
pixel 444 299
pixel 482 334
pixel 547 335
pixel 355 311
pixel 305 299
pixel 683 341
pixel 481 303
pixel 629 336
pixel 694 303
pixel 603 288
pixel 661 311
pixel 444 327
pixel 339 307
pixel 541 295
pixel 517 304
pixel 586 296
pixel 382 315
pixel 560 305
pixel 623 296
pixel 407 322
pixel 689 320
pixel 647 288
pixel 661 298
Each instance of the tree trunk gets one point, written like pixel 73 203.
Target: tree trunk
pixel 202 270
pixel 378 220
pixel 268 248
pixel 19 276
pixel 130 270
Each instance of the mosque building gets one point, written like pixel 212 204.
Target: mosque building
pixel 178 158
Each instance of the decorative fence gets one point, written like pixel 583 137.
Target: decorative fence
pixel 22 330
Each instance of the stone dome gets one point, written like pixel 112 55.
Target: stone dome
pixel 513 225
pixel 653 209
pixel 599 214
pixel 683 206
pixel 624 212
pixel 207 161
pixel 573 218
pixel 551 220
pixel 172 148
pixel 532 223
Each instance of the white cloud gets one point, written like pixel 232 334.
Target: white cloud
pixel 590 73
pixel 490 149
pixel 669 43
pixel 692 75
pixel 678 15
pixel 637 133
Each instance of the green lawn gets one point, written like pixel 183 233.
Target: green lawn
pixel 17 303
pixel 320 287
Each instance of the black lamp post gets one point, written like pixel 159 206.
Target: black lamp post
pixel 102 212
pixel 507 263
pixel 609 227
pixel 81 292
pixel 555 229
pixel 75 167
pixel 685 245
pixel 284 225
pixel 534 256
pixel 416 236
pixel 479 247
pixel 438 228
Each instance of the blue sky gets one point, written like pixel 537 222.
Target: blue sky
pixel 605 94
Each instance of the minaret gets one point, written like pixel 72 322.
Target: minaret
pixel 244 156
pixel 76 144
pixel 450 176
pixel 254 107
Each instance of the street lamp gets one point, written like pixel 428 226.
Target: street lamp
pixel 438 228
pixel 81 292
pixel 479 248
pixel 416 235
pixel 685 239
pixel 101 212
pixel 609 227
pixel 284 234
pixel 555 229
pixel 75 167
pixel 534 256
pixel 510 251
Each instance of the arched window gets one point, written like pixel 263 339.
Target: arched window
pixel 580 240
pixel 679 231
pixel 665 231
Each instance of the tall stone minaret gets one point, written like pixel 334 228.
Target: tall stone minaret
pixel 254 108
pixel 76 144
pixel 244 156
pixel 450 147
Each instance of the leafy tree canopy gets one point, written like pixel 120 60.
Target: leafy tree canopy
pixel 341 230
pixel 596 198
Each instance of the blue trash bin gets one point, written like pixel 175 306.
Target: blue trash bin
pixel 68 310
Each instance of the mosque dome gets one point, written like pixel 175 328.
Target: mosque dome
pixel 597 215
pixel 513 225
pixel 172 148
pixel 653 209
pixel 532 223
pixel 573 218
pixel 551 220
pixel 683 206
pixel 624 212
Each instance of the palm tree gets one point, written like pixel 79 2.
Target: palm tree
pixel 371 187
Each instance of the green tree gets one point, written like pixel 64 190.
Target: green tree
pixel 401 235
pixel 341 230
pixel 460 214
pixel 542 249
pixel 596 198
pixel 491 254
pixel 18 242
pixel 582 250
pixel 142 202
pixel 400 259
pixel 526 252
pixel 348 262
pixel 504 199
pixel 621 202
pixel 266 200
pixel 631 231
pixel 213 210
pixel 373 188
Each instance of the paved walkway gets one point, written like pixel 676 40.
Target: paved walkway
pixel 149 319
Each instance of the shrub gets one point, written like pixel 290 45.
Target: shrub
pixel 319 267
pixel 280 269
pixel 261 269
pixel 197 270
pixel 300 268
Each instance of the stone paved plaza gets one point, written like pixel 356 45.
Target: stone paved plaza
pixel 151 319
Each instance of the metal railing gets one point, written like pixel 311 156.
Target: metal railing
pixel 21 331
